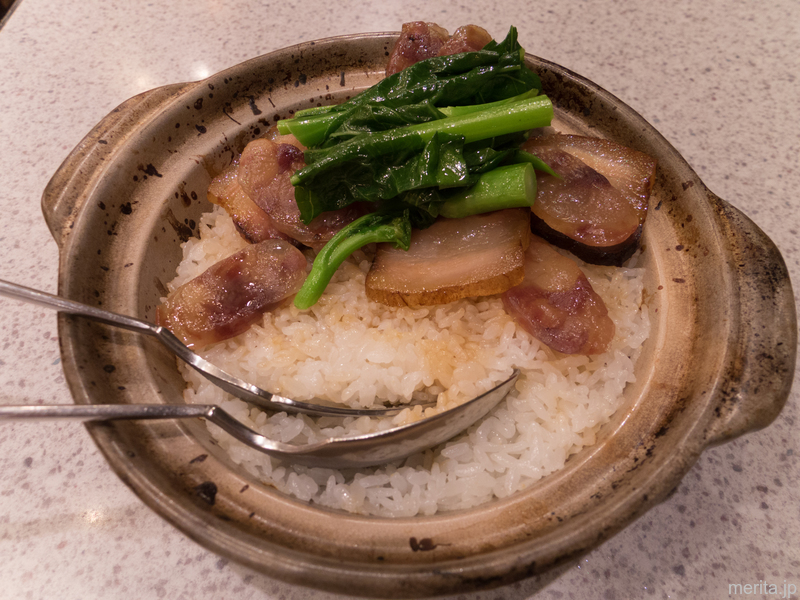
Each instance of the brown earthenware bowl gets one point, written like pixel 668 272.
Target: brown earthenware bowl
pixel 718 363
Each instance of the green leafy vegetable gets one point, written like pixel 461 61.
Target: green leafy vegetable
pixel 438 138
pixel 496 72
pixel 379 166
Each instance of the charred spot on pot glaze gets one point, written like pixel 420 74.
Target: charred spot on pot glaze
pixel 341 79
pixel 198 459
pixel 662 431
pixel 101 205
pixel 422 545
pixel 184 231
pixel 201 129
pixel 162 289
pixel 102 142
pixel 245 488
pixel 184 197
pixel 251 102
pixel 109 368
pixel 687 184
pixel 149 170
pixel 126 208
pixel 207 491
pixel 225 111
pixel 198 104
pixel 678 280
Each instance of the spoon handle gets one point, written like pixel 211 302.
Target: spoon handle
pixel 101 412
pixel 224 380
pixel 19 292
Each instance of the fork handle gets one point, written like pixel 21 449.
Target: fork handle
pixel 102 412
pixel 61 304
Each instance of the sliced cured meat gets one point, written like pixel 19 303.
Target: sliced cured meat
pixel 598 207
pixel 418 40
pixel 252 223
pixel 454 258
pixel 556 304
pixel 231 295
pixel 469 38
pixel 265 170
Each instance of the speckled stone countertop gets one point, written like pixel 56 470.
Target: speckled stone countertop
pixel 719 79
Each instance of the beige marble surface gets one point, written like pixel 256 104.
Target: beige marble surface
pixel 719 79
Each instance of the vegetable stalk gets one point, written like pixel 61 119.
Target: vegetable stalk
pixel 513 186
pixel 371 228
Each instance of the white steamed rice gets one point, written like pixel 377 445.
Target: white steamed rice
pixel 349 349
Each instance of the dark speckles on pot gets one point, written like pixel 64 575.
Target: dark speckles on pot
pixel 185 198
pixel 183 230
pixel 251 102
pixel 201 129
pixel 149 170
pixel 207 491
pixel 421 545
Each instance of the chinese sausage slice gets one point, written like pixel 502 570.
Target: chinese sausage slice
pixel 419 40
pixel 598 207
pixel 231 295
pixel 478 255
pixel 252 223
pixel 556 304
pixel 265 170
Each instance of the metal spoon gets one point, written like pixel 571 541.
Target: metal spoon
pixel 233 385
pixel 338 453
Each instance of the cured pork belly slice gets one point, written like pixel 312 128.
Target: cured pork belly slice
pixel 419 40
pixel 598 208
pixel 478 255
pixel 556 304
pixel 231 295
pixel 265 170
pixel 252 223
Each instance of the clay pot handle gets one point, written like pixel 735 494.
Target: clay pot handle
pixel 764 349
pixel 62 196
